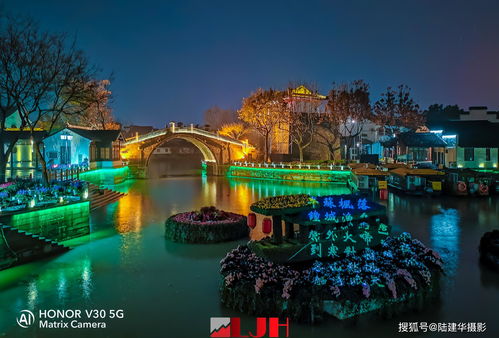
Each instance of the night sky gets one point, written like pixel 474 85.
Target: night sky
pixel 174 59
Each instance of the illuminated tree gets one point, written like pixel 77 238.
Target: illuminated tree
pixel 264 110
pixel 43 78
pixel 235 130
pixel 98 114
pixel 396 109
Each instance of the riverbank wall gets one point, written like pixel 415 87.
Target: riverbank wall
pixel 107 176
pixel 303 174
pixel 58 223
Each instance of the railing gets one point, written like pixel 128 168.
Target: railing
pixel 66 173
pixel 302 166
pixel 185 130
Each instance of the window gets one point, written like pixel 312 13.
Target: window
pixel 487 154
pixel 105 153
pixel 469 154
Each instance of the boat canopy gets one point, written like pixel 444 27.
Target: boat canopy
pixel 416 172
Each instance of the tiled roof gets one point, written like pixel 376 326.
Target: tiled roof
pixel 98 135
pixel 423 140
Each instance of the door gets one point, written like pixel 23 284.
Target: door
pixel 65 154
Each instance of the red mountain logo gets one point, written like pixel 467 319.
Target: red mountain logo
pixel 220 327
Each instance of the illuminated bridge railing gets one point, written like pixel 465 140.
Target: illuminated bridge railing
pixel 186 130
pixel 299 166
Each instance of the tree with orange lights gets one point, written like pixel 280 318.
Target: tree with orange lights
pixel 264 110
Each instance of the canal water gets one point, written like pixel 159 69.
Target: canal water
pixel 171 290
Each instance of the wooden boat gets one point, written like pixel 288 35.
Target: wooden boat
pixel 456 182
pixel 391 166
pixel 371 179
pixel 463 182
pixel 481 183
pixel 417 181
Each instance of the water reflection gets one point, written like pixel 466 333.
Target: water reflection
pixel 86 279
pixel 32 293
pixel 445 233
pixel 127 262
pixel 248 191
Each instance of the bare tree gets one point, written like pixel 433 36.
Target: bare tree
pixel 56 79
pixel 264 110
pixel 396 109
pixel 304 104
pixel 301 128
pixel 350 106
pixel 328 133
pixel 215 117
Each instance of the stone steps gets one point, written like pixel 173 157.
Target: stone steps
pixel 20 246
pixel 100 197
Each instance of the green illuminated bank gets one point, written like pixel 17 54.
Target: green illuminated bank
pixel 300 175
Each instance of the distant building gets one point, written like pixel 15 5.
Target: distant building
pixel 23 160
pixel 471 144
pixel 133 130
pixel 414 147
pixel 479 113
pixel 300 100
pixel 176 147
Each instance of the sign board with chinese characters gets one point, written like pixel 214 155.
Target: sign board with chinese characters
pixel 336 226
pixel 337 209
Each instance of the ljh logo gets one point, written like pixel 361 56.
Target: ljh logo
pixel 230 327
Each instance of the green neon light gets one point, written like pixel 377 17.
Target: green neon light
pixel 105 175
pixel 204 168
pixel 308 175
pixel 494 171
pixel 307 171
pixel 275 187
pixel 45 214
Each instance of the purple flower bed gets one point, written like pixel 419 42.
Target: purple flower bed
pixel 399 266
pixel 207 216
pixel 208 225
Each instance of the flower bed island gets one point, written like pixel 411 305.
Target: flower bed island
pixel 208 225
pixel 342 262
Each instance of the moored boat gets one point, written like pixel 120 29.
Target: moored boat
pixel 468 182
pixel 417 181
pixel 371 179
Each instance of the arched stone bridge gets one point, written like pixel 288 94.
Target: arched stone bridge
pixel 216 149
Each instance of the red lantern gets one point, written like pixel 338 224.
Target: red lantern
pixel 383 194
pixel 251 220
pixel 267 225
